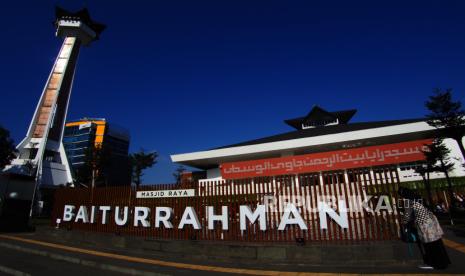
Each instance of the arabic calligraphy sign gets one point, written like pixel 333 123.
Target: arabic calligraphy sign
pixel 326 161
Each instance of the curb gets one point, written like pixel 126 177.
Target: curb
pixel 74 260
pixel 368 254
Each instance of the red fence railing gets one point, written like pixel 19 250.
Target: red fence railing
pixel 362 190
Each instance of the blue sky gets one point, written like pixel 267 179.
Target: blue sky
pixel 184 76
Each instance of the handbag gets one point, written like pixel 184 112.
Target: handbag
pixel 409 234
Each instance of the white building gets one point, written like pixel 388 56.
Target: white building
pixel 325 135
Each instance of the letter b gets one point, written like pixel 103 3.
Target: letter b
pixel 68 213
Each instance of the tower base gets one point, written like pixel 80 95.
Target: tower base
pixel 16 192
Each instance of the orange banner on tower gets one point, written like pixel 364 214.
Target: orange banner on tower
pixel 328 161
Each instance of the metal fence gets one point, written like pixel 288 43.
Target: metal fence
pixel 362 190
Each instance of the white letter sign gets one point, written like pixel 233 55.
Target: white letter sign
pixel 189 217
pixel 296 219
pixel 68 213
pixel 140 215
pixel 341 219
pixel 167 213
pixel 259 213
pixel 223 217
pixel 118 220
pixel 82 215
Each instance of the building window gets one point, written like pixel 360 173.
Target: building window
pixel 410 166
pixel 313 124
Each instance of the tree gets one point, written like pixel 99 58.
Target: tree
pixel 447 115
pixel 7 148
pixel 432 153
pixel 437 156
pixel 94 168
pixel 424 171
pixel 139 162
pixel 178 174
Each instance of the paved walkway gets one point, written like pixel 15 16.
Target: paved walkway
pixel 455 238
pixel 27 254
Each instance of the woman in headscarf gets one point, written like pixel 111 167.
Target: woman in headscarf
pixel 429 231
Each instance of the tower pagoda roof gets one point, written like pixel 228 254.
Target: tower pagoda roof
pixel 80 15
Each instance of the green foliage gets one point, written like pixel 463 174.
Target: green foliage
pixel 178 173
pixel 447 115
pixel 436 160
pixel 437 157
pixel 444 111
pixel 141 161
pixel 7 148
pixel 95 166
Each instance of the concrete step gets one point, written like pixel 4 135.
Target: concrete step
pixel 330 255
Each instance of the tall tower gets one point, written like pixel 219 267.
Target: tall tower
pixel 41 155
